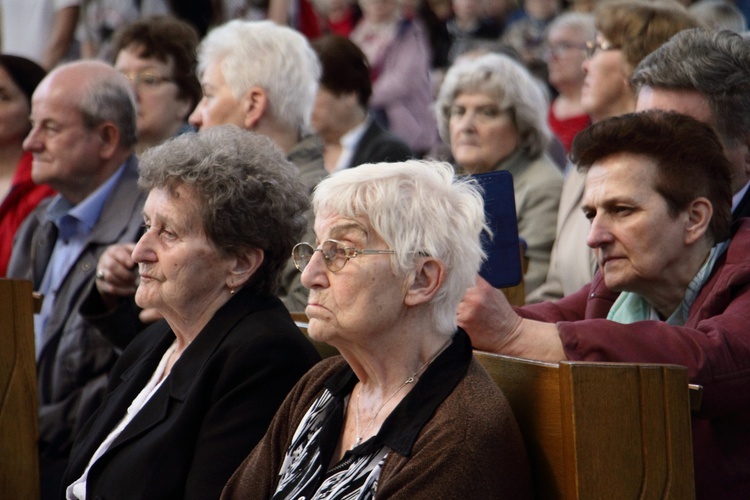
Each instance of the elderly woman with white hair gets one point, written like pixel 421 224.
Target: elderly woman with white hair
pixel 405 411
pixel 493 114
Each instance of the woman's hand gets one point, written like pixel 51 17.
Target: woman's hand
pixel 116 275
pixel 494 326
pixel 487 317
pixel 117 278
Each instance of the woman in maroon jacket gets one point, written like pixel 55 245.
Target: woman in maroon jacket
pixel 673 284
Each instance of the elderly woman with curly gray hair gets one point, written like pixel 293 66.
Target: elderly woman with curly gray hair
pixel 192 394
pixel 493 114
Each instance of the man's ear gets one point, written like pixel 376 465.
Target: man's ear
pixel 699 214
pixel 109 135
pixel 254 105
pixel 242 267
pixel 429 275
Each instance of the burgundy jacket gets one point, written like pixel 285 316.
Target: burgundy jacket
pixel 714 345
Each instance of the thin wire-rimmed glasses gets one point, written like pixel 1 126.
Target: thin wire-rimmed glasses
pixel 335 254
pixel 146 79
pixel 592 46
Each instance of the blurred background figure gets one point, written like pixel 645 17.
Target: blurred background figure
pixel 19 194
pixel 192 395
pixel 340 115
pixel 40 30
pixel 565 52
pixel 718 15
pixel 406 411
pixel 158 56
pixel 337 16
pixel 526 31
pixel 627 31
pixel 493 114
pixel 399 57
pixel 100 19
pixel 465 26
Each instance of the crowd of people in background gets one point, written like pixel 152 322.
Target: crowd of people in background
pixel 96 94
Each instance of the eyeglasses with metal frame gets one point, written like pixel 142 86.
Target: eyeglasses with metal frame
pixel 335 254
pixel 592 46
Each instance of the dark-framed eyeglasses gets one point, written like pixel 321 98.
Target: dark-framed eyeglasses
pixel 146 79
pixel 592 46
pixel 335 254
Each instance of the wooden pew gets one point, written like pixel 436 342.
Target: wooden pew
pixel 19 469
pixel 601 430
pixel 596 430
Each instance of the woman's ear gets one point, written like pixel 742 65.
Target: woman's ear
pixel 699 214
pixel 242 267
pixel 255 105
pixel 429 275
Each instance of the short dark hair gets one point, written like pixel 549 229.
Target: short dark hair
pixel 165 38
pixel 25 74
pixel 689 157
pixel 345 67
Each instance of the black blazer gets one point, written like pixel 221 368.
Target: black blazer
pixel 378 145
pixel 208 414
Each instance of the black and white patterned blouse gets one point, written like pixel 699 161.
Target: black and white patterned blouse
pixel 304 473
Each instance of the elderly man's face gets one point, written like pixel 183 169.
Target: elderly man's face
pixel 481 133
pixel 67 154
pixel 639 246
pixel 362 300
pixel 693 103
pixel 218 106
pixel 182 273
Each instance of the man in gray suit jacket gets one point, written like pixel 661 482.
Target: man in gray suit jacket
pixel 82 139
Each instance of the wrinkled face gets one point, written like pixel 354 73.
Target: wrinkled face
pixel 218 106
pixel 161 112
pixel 566 52
pixel 606 90
pixel 181 271
pixel 14 111
pixel 693 103
pixel 363 299
pixel 481 133
pixel 638 244
pixel 67 154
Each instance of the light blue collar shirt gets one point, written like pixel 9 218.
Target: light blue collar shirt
pixel 74 224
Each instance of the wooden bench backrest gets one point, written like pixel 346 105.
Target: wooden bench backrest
pixel 19 472
pixel 601 430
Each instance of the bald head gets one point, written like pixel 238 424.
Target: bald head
pixel 83 127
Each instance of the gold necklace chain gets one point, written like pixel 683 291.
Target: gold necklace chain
pixel 408 381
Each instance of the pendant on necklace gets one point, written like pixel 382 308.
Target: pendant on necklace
pixel 356 442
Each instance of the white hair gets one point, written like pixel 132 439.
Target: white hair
pixel 417 208
pixel 275 58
